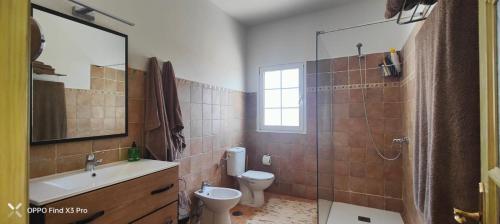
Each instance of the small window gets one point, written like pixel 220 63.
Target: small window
pixel 281 99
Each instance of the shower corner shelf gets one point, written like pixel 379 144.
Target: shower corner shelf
pixel 385 66
pixel 417 15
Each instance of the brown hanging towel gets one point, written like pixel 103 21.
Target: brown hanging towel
pixel 447 138
pixel 173 108
pixel 49 111
pixel 158 140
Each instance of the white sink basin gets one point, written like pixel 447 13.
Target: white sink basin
pixel 218 201
pixel 52 188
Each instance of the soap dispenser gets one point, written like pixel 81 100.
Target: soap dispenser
pixel 133 153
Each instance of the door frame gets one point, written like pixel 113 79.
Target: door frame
pixel 490 172
pixel 14 61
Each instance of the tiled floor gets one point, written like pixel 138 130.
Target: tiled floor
pixel 279 209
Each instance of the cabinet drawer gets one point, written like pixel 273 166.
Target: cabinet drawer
pixel 121 203
pixel 165 215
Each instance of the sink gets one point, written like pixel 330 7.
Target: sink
pixel 52 188
pixel 218 202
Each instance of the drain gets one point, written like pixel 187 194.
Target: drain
pixel 237 213
pixel 364 219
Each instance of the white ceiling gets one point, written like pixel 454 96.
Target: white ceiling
pixel 253 12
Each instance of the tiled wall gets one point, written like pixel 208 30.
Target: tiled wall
pixel 213 119
pixel 99 110
pixel 349 170
pixel 360 176
pixel 293 155
pixel 57 158
pixel 216 119
pixel 408 90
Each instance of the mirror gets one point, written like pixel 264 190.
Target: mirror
pixel 79 81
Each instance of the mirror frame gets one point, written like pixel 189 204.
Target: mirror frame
pixel 83 22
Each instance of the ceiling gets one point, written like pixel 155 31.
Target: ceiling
pixel 254 12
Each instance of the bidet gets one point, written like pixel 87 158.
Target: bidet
pixel 218 201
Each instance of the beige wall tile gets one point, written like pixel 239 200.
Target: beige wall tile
pixel 73 148
pixel 69 163
pixel 110 85
pixel 96 71
pixel 97 84
pixel 42 168
pixel 108 156
pixel 110 73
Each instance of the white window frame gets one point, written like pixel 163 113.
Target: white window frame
pixel 302 128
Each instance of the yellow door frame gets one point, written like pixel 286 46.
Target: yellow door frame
pixel 490 173
pixel 14 64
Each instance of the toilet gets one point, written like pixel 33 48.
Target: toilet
pixel 252 183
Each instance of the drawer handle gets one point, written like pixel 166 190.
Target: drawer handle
pixel 157 191
pixel 169 221
pixel 91 218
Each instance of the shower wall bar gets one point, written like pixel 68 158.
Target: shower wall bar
pixel 356 26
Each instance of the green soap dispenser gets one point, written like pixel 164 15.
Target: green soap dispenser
pixel 133 153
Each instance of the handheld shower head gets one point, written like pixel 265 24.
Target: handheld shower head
pixel 359 45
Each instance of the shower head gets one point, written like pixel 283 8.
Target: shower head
pixel 359 45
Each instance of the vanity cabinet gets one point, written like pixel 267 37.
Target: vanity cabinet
pixel 147 199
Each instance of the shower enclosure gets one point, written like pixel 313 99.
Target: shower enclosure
pixel 359 122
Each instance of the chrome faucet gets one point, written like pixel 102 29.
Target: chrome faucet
pixel 203 185
pixel 91 162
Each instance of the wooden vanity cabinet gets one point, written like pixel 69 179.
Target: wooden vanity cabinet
pixel 147 199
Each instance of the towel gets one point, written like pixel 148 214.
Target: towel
pixel 49 111
pixel 447 138
pixel 393 7
pixel 173 109
pixel 157 137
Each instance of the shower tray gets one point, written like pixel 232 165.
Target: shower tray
pixel 342 213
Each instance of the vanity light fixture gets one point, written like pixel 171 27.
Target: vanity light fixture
pixel 83 10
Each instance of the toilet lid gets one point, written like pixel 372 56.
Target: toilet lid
pixel 257 175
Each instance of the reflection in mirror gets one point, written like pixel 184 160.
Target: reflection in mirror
pixel 78 81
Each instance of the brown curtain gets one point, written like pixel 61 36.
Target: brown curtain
pixel 49 111
pixel 447 147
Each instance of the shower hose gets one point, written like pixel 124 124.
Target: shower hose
pixel 367 122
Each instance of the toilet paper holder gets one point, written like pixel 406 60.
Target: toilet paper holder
pixel 267 159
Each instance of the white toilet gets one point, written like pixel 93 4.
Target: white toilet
pixel 252 183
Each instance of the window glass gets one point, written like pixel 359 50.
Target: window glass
pixel 272 80
pixel 290 78
pixel 272 117
pixel 290 117
pixel 272 98
pixel 290 97
pixel 280 106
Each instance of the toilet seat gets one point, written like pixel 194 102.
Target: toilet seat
pixel 257 175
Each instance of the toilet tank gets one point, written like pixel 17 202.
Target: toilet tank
pixel 235 161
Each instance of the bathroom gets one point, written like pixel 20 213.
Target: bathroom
pixel 244 112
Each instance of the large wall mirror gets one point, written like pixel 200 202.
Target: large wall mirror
pixel 79 80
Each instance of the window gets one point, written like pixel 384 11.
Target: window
pixel 281 99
